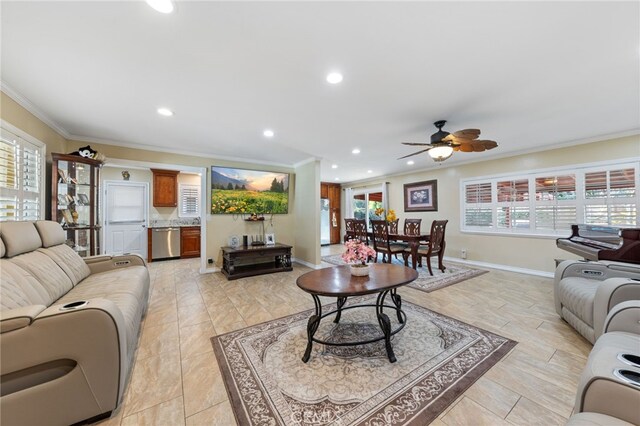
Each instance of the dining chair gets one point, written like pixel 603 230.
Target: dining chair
pixel 435 246
pixel 360 230
pixel 393 226
pixel 412 226
pixel 381 243
pixel 349 230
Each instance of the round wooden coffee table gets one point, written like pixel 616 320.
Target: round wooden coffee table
pixel 338 282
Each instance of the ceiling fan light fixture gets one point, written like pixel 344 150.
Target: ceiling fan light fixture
pixel 440 153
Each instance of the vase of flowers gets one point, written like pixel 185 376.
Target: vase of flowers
pixel 390 217
pixel 357 255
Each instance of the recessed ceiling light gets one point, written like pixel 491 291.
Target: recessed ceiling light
pixel 334 166
pixel 268 133
pixel 334 77
pixel 355 151
pixel 337 179
pixel 369 171
pixel 165 111
pixel 162 6
pixel 410 162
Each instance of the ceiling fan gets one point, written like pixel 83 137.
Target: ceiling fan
pixel 444 143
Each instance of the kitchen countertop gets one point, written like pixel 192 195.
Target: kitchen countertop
pixel 179 223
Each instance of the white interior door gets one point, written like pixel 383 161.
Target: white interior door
pixel 126 206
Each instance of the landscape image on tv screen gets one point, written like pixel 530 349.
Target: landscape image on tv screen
pixel 241 191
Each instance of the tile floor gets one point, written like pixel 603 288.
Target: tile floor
pixel 176 380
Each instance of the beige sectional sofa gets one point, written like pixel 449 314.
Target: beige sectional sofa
pixel 68 326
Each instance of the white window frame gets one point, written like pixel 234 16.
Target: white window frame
pixel 580 202
pixel 19 192
pixel 180 195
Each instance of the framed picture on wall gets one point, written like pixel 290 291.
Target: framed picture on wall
pixel 421 196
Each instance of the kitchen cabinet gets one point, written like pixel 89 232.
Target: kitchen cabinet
pixel 189 241
pixel 165 188
pixel 75 183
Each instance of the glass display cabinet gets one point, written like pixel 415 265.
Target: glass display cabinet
pixel 75 201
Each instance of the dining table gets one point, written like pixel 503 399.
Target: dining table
pixel 413 243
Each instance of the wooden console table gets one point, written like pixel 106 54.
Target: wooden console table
pixel 255 260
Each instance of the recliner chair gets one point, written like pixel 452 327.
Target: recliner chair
pixel 585 292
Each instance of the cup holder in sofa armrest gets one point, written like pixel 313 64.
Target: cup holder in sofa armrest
pixel 629 359
pixel 74 305
pixel 628 376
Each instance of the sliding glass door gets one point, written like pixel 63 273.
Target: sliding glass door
pixel 364 205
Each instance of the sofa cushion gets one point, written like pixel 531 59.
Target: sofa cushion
pixel 19 237
pixel 595 419
pixel 69 261
pixel 51 233
pixel 577 295
pixel 19 288
pixel 3 250
pixel 128 288
pixel 52 278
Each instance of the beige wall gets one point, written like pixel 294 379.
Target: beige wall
pixel 522 252
pixel 307 202
pixel 13 113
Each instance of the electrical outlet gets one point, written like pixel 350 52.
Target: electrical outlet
pixel 463 253
pixel 210 261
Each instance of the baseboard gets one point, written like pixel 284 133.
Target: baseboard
pixel 305 263
pixel 209 270
pixel 509 268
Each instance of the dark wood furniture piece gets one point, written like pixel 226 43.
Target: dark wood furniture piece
pixel 255 260
pixel 360 231
pixel 332 192
pixel 189 241
pixel 381 241
pixel 75 192
pixel 149 246
pixel 349 229
pixel 393 226
pixel 595 242
pixel 435 246
pixel 412 226
pixel 338 282
pixel 165 188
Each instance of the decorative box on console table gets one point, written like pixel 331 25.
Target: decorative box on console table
pixel 255 260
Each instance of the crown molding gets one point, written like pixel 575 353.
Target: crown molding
pixel 208 155
pixel 303 162
pixel 29 106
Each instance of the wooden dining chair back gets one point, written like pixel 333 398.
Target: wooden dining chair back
pixel 381 242
pixel 412 226
pixel 436 244
pixel 349 229
pixel 393 226
pixel 360 230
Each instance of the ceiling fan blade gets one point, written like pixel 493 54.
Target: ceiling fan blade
pixel 466 147
pixel 416 143
pixel 467 134
pixel 415 153
pixel 487 144
pixel 478 147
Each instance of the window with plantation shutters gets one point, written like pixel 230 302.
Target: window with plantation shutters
pixel 548 203
pixel 189 200
pixel 21 177
pixel 478 211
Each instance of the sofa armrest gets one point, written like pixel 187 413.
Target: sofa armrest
pixel 14 319
pixel 625 317
pixel 91 337
pixel 105 263
pixel 610 293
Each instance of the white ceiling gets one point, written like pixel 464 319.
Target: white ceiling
pixel 529 75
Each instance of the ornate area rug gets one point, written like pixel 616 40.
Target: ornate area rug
pixel 452 274
pixel 438 359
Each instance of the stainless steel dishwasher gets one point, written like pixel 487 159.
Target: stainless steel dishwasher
pixel 165 243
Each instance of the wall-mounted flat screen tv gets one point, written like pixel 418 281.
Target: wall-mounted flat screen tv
pixel 242 191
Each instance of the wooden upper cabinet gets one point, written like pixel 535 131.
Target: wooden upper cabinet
pixel 165 188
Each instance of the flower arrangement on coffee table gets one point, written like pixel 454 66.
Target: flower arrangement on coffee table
pixel 357 255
